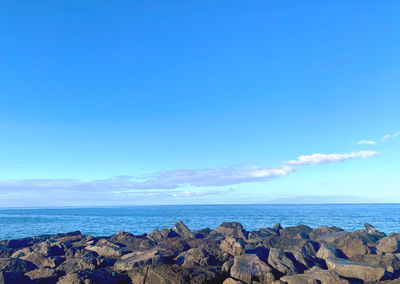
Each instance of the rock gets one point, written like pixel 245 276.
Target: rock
pixel 350 269
pixel 164 274
pixel 41 261
pixel 277 227
pixel 77 264
pixel 13 277
pixel 281 262
pixel 107 243
pixel 231 229
pixel 262 233
pixel 48 249
pixel 349 244
pixel 232 246
pixel 5 251
pixel 389 244
pixel 326 251
pixel 370 230
pixel 318 232
pixel 226 267
pixel 292 232
pixel 250 268
pixel 48 274
pixel 20 243
pixel 195 257
pixel 315 277
pixel 16 265
pixel 232 281
pixel 131 242
pixel 182 230
pixel 174 245
pixel 390 262
pixel 88 277
pixel 199 234
pixel 155 236
pixel 105 251
pixel 135 259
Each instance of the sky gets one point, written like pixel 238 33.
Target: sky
pixel 106 103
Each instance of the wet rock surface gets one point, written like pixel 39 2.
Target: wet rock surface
pixel 227 254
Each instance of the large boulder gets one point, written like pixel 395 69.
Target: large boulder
pixel 232 246
pixel 195 257
pixel 389 244
pixel 88 277
pixel 73 265
pixel 233 229
pixel 40 260
pixel 388 261
pixel 138 258
pixel 249 268
pixel 106 251
pixel 361 271
pixel 348 243
pixel 44 275
pixel 13 277
pixel 300 231
pixel 165 274
pixel 315 277
pixel 182 230
pixel 282 262
pixel 326 251
pixel 16 265
pixel 321 231
pixel 131 242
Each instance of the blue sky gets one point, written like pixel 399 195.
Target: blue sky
pixel 188 102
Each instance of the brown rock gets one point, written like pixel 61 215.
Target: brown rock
pixel 389 244
pixel 281 262
pixel 250 268
pixel 231 229
pixel 135 259
pixel 182 230
pixel 232 246
pixel 315 277
pixel 350 269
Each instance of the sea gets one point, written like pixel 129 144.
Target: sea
pixel 105 221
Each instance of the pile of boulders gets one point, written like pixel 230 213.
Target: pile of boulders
pixel 228 254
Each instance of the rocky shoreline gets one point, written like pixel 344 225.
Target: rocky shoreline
pixel 228 254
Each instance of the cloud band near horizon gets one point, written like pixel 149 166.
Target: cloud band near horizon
pixel 173 179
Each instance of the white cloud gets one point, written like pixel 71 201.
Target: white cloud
pixel 366 142
pixel 317 158
pixel 390 136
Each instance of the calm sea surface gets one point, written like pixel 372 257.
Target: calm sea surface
pixel 17 223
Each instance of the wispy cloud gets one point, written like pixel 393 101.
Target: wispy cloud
pixel 390 136
pixel 317 158
pixel 367 142
pixel 162 180
pixel 166 184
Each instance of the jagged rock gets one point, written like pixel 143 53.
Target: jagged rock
pixel 226 267
pixel 350 269
pixel 281 262
pixel 48 249
pixel 232 281
pixel 157 235
pixel 195 257
pixel 231 229
pixel 390 262
pixel 165 274
pixel 105 251
pixel 174 245
pixel 232 246
pixel 326 251
pixel 262 233
pixel 131 242
pixel 48 275
pixel 389 244
pixel 136 259
pixel 182 230
pixel 292 232
pixel 5 251
pixel 250 268
pixel 321 231
pixel 88 277
pixel 16 265
pixel 277 227
pixel 13 277
pixel 315 277
pixel 77 264
pixel 199 234
pixel 308 246
pixel 370 230
pixel 349 244
pixel 40 260
pixel 107 243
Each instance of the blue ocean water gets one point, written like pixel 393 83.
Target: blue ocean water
pixel 100 221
